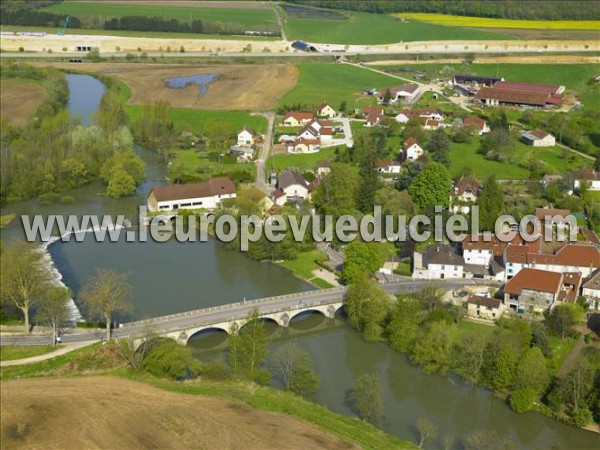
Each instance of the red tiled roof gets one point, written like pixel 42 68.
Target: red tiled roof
pixel 474 121
pixel 542 213
pixel 409 142
pixel 306 141
pixel 512 96
pixel 432 123
pixel 534 280
pixel 539 133
pixel 375 109
pixel 549 89
pixel 488 302
pixel 586 174
pixel 299 115
pixel 466 183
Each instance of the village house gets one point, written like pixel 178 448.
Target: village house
pixel 591 290
pixel 206 195
pixel 486 308
pixel 326 110
pixel 308 132
pixel 243 153
pixel 389 167
pixel 549 179
pixel 538 138
pixel 291 187
pixel 432 124
pixel 297 119
pixel 478 124
pixel 323 168
pixel 412 150
pixel 588 177
pixel 303 145
pixel 438 262
pixel 464 193
pixel 246 137
pixel 373 115
pixel 533 290
pixel 405 92
pixel 423 113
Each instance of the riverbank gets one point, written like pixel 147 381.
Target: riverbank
pixel 163 398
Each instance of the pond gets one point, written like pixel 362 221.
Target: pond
pixel 202 80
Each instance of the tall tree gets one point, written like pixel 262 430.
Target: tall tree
pixel 369 182
pixel 438 146
pixel 107 294
pixel 562 319
pixel 367 306
pixel 361 259
pixel 247 349
pixel 427 430
pixel 433 347
pixel 53 309
pixel 337 192
pixel 532 372
pixel 366 397
pixel 394 202
pixel 491 203
pixel 23 277
pixel 294 368
pixel 431 187
pixel 576 384
pixel 404 325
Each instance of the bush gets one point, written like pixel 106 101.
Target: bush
pixel 48 198
pixel 216 370
pixel 169 359
pixel 522 400
pixel 21 49
pixel 581 417
pixel 66 199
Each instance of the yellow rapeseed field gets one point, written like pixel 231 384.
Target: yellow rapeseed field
pixel 485 22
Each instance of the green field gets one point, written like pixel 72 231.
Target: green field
pixel 187 119
pixel 365 28
pixel 304 265
pixel 333 83
pixel 464 156
pixel 248 18
pixel 302 162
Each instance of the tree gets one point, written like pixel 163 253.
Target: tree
pixel 576 384
pixel 522 400
pixel 488 440
pixel 294 369
pixel 336 194
pixel 53 309
pixel 369 181
pixel 491 203
pixel 438 145
pixel 404 325
pixel 433 347
pixel 366 397
pixel 469 354
pixel 106 295
pixel 430 298
pixel 134 355
pixel 427 430
pixel 367 306
pixel 247 349
pixel 499 364
pixel 532 372
pixel 562 319
pixel 431 187
pixel 121 184
pixel 394 202
pixel 24 277
pixel 343 106
pixel 361 259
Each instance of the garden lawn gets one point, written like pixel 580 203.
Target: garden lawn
pixel 300 161
pixel 367 28
pixel 249 18
pixel 11 352
pixel 333 83
pixel 303 266
pixel 196 166
pixel 560 350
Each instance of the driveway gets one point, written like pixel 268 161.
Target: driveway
pixel 265 149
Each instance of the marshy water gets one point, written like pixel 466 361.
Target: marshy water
pixel 202 80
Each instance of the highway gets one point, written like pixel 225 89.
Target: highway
pixel 232 311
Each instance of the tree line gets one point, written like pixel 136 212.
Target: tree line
pixel 53 152
pixel 513 358
pixel 501 9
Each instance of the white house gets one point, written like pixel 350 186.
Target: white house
pixel 308 132
pixel 246 137
pixel 205 195
pixel 326 110
pixel 291 186
pixel 480 125
pixel 412 150
pixel 538 138
pixel 372 115
pixel 588 176
pixel 464 193
pixel 405 92
pixel 438 262
pixel 389 167
pixel 302 145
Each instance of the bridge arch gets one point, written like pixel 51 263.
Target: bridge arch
pixel 208 330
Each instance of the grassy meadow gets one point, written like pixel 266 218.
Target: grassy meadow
pixel 302 162
pixel 249 18
pixel 366 28
pixel 486 22
pixel 319 82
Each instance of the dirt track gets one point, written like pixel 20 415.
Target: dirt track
pixel 237 87
pixel 19 100
pixel 539 59
pixel 105 412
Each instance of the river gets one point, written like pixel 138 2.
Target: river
pixel 173 277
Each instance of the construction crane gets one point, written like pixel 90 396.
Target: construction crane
pixel 61 30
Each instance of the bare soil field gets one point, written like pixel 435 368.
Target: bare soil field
pixel 237 87
pixel 189 3
pixel 18 100
pixel 106 412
